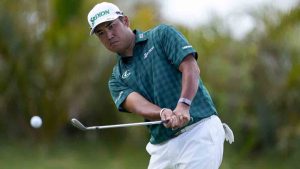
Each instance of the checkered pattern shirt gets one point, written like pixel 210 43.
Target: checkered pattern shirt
pixel 153 73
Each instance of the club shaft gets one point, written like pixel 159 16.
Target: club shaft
pixel 124 125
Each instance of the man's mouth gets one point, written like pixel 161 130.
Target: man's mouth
pixel 113 43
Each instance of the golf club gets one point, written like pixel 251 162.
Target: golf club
pixel 80 126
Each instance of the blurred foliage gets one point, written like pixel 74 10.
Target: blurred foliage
pixel 254 81
pixel 144 16
pixel 50 66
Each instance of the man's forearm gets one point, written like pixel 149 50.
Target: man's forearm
pixel 190 82
pixel 136 103
pixel 190 78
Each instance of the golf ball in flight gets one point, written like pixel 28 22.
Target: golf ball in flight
pixel 36 122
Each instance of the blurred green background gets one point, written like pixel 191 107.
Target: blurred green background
pixel 51 67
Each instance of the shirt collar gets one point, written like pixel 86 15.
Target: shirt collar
pixel 140 36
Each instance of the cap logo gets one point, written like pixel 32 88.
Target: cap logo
pixel 98 15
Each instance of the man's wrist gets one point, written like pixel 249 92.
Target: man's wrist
pixel 185 101
pixel 161 111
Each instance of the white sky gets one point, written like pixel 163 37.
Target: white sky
pixel 198 12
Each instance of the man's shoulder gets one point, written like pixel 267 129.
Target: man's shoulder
pixel 159 28
pixel 157 31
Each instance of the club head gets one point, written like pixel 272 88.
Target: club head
pixel 77 124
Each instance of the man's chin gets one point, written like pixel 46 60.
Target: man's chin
pixel 115 50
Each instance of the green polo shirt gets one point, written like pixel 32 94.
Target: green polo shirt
pixel 153 72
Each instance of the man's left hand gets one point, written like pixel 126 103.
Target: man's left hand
pixel 182 112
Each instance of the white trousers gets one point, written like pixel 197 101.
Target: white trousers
pixel 198 148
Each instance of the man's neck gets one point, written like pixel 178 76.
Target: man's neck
pixel 129 50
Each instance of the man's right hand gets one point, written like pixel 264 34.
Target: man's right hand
pixel 166 115
pixel 171 119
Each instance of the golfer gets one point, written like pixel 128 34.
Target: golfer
pixel 157 77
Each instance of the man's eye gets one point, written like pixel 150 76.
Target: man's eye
pixel 99 33
pixel 111 26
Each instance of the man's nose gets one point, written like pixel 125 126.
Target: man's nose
pixel 109 34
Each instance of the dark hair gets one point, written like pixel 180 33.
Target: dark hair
pixel 121 18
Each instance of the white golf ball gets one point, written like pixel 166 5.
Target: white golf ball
pixel 36 122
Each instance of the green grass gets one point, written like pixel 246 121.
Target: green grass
pixel 72 155
pixel 83 154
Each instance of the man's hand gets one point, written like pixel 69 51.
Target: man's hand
pixel 168 116
pixel 182 112
pixel 177 118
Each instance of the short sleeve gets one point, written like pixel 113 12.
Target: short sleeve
pixel 119 91
pixel 175 45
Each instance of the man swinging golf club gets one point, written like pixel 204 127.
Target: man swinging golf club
pixel 157 77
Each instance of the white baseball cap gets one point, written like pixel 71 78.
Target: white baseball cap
pixel 103 12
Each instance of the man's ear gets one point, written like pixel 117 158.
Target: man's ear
pixel 126 21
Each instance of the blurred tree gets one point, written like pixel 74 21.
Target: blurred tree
pixel 45 72
pixel 277 64
pixel 253 81
pixel 145 16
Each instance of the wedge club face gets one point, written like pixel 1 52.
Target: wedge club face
pixel 77 124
